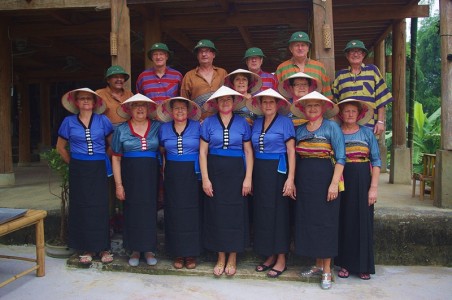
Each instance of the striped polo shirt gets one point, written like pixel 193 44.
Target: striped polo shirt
pixel 368 85
pixel 159 88
pixel 312 67
pixel 268 81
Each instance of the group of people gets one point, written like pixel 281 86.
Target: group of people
pixel 224 143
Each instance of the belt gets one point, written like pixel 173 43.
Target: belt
pixel 186 157
pixel 229 152
pixel 282 164
pixel 104 157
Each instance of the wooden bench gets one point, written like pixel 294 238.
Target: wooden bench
pixel 31 217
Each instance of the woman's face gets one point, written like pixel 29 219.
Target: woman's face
pixel 269 106
pixel 313 108
pixel 139 110
pixel 85 101
pixel 349 113
pixel 225 104
pixel 180 111
pixel 240 83
pixel 300 87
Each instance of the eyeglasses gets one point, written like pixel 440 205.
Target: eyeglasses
pixel 356 51
pixel 300 85
pixel 202 51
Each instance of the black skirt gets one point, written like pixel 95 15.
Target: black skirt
pixel 88 226
pixel 182 209
pixel 140 180
pixel 271 209
pixel 317 220
pixel 225 225
pixel 356 243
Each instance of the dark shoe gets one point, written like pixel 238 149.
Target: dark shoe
pixel 277 273
pixel 263 268
pixel 343 273
pixel 364 276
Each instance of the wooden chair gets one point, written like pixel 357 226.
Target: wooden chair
pixel 428 174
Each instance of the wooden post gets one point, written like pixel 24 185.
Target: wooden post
pixel 44 104
pixel 323 35
pixel 152 34
pixel 400 154
pixel 379 59
pixel 40 249
pixel 443 174
pixel 120 27
pixel 6 158
pixel 23 110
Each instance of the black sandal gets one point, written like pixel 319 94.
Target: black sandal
pixel 277 273
pixel 263 268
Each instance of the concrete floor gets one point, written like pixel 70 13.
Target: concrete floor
pixel 61 282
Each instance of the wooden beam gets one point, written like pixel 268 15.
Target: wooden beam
pixel 181 38
pixel 52 4
pixel 120 25
pixel 399 84
pixel 53 30
pixel 446 74
pixel 246 37
pixel 221 20
pixel 323 16
pixel 6 160
pixel 23 110
pixel 379 12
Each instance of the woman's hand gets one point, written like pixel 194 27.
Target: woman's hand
pixel 207 187
pixel 372 195
pixel 333 191
pixel 120 194
pixel 246 187
pixel 289 189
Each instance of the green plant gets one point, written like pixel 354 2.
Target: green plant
pixel 426 134
pixel 57 164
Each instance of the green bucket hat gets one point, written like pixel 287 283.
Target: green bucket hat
pixel 114 70
pixel 355 44
pixel 205 44
pixel 161 47
pixel 254 51
pixel 300 36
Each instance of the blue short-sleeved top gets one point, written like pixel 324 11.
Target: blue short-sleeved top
pixel 86 140
pixel 126 140
pixel 362 146
pixel 274 139
pixel 185 143
pixel 232 137
pixel 321 142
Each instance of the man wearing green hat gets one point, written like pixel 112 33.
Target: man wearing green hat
pixel 115 93
pixel 363 82
pixel 299 45
pixel 254 57
pixel 201 82
pixel 159 82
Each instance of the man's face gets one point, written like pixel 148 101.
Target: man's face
pixel 254 63
pixel 355 56
pixel 205 55
pixel 299 49
pixel 159 58
pixel 116 81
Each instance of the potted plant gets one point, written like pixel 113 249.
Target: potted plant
pixel 58 246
